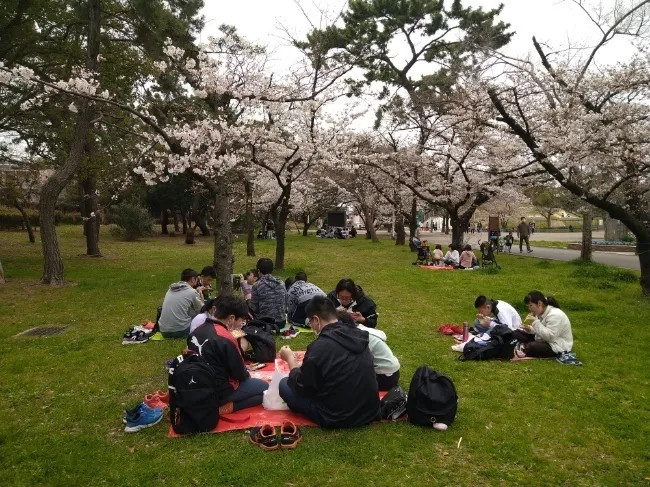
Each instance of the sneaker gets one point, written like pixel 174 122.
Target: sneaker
pixel 290 333
pixel 132 414
pixel 290 435
pixel 459 347
pixel 568 358
pixel 265 437
pixel 145 418
pixel 520 351
pixel 530 251
pixel 136 338
pixel 157 400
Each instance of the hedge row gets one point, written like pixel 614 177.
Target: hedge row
pixel 11 219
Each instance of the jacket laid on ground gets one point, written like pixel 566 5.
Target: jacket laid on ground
pixel 338 373
pixel 554 328
pixel 363 305
pixel 298 295
pixel 383 359
pixel 218 347
pixel 505 314
pixel 269 298
pixel 181 304
pixel 523 229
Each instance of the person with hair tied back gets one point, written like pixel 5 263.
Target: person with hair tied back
pixel 335 386
pixel 350 297
pixel 550 334
pixel 215 342
pixel 183 301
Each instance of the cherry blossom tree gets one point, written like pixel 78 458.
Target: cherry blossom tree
pixel 587 123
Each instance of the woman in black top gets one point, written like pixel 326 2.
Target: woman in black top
pixel 349 297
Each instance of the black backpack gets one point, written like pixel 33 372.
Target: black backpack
pixel 432 398
pixel 265 324
pixel 501 346
pixel 262 344
pixel 393 404
pixel 193 397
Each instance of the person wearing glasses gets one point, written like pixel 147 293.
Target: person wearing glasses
pixel 349 297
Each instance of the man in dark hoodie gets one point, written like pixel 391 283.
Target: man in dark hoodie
pixel 299 294
pixel 349 297
pixel 183 302
pixel 335 386
pixel 269 295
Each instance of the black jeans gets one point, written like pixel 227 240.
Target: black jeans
pixel 532 347
pixel 521 243
pixel 387 382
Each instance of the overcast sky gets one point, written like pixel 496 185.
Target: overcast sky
pixel 552 21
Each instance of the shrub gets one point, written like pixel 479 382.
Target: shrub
pixel 131 222
pixel 11 219
pixel 628 239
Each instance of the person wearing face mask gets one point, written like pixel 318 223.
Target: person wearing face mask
pixel 335 386
pixel 550 334
pixel 349 297
pixel 215 343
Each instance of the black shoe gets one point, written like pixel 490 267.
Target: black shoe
pixel 530 251
pixel 290 435
pixel 265 437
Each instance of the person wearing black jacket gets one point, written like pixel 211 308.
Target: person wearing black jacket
pixel 216 344
pixel 349 297
pixel 335 386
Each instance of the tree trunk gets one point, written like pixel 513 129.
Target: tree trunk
pixel 587 219
pixel 400 234
pixel 643 251
pixel 250 221
pixel 222 238
pixel 189 236
pixel 306 224
pixel 413 220
pixel 164 221
pixel 184 218
pixel 53 263
pixel 177 222
pixel 198 217
pixel 280 231
pixel 369 222
pixel 548 219
pixel 458 229
pixel 91 224
pixel 28 224
pixel 2 274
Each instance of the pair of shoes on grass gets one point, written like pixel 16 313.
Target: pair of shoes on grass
pixel 157 400
pixel 568 358
pixel 266 437
pixel 141 417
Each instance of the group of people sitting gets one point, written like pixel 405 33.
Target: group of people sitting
pixel 337 382
pixel 546 333
pixel 464 260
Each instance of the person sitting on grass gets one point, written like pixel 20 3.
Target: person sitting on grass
pixel 437 255
pixel 550 334
pixel 349 297
pixel 269 295
pixel 386 364
pixel 451 257
pixel 216 344
pixel 492 313
pixel 207 313
pixel 246 282
pixel 299 293
pixel 183 302
pixel 335 386
pixel 205 281
pixel 467 259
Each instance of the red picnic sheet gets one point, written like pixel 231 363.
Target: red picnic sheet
pixel 437 268
pixel 257 416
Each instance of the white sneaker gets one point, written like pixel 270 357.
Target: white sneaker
pixel 459 348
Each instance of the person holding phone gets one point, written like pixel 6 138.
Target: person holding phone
pixel 183 301
pixel 349 297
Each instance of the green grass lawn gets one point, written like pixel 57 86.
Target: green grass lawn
pixel 526 423
pixel 549 244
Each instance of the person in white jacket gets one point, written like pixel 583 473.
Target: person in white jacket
pixel 493 312
pixel 386 364
pixel 550 334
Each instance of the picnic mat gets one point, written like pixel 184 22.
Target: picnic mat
pixel 257 416
pixel 437 268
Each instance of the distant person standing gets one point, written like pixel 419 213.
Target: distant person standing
pixel 472 228
pixel 479 227
pixel 524 235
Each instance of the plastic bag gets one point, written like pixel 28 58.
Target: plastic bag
pixel 272 400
